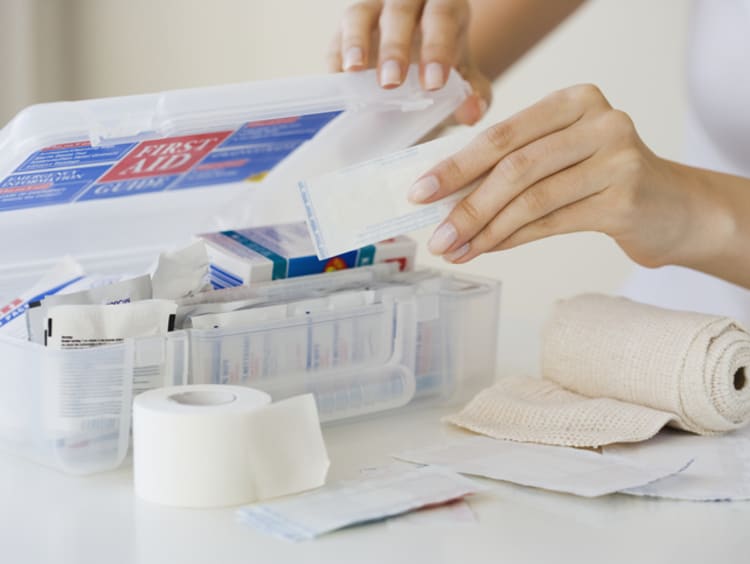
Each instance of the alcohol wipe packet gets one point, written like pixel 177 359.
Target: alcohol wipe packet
pixel 366 203
pixel 361 501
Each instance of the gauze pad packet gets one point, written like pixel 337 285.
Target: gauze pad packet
pixel 83 326
pixel 366 203
pixel 123 292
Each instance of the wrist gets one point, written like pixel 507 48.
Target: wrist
pixel 712 220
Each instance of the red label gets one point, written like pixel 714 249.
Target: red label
pixel 73 145
pixel 11 306
pixel 401 262
pixel 276 121
pixel 165 156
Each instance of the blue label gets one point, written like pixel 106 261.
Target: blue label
pixel 237 165
pixel 66 173
pixel 297 128
pixel 46 188
pixel 224 278
pixel 74 154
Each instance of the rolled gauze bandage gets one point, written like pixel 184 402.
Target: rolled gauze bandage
pixel 617 371
pixel 690 365
pixel 214 446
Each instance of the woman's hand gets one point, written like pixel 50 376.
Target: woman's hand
pixel 391 33
pixel 569 163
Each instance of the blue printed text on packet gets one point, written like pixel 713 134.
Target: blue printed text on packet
pixel 77 171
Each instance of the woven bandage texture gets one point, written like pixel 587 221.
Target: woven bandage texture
pixel 615 370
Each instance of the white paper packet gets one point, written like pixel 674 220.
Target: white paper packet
pixel 361 501
pixel 12 318
pixel 84 326
pixel 720 472
pixel 122 292
pixel 366 203
pixel 181 273
pixel 238 319
pixel 255 313
pixel 563 469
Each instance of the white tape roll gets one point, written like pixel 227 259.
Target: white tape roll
pixel 214 446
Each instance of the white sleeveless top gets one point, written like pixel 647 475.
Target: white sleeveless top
pixel 718 138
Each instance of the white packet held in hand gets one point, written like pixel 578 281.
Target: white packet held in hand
pixel 366 203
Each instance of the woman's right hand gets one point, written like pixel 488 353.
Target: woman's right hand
pixel 390 34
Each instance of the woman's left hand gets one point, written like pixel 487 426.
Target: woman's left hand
pixel 568 163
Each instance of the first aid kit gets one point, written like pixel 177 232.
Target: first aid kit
pixel 114 182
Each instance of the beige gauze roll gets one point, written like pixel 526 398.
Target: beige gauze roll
pixel 691 365
pixel 615 370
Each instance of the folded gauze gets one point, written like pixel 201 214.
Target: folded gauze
pixel 615 370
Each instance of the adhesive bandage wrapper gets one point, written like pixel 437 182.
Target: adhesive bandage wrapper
pixel 366 203
pixel 122 292
pixel 84 326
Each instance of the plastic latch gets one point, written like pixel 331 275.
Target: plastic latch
pixel 416 104
pixel 129 129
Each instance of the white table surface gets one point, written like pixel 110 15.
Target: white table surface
pixel 46 516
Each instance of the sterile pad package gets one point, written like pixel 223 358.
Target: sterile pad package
pixel 365 203
pixel 114 182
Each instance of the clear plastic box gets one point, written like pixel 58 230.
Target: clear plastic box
pixel 71 409
pixel 404 350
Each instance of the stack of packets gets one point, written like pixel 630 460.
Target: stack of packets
pixel 260 254
pixel 70 309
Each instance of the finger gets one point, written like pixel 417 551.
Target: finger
pixel 477 103
pixel 333 56
pixel 510 177
pixel 585 215
pixel 398 21
pixel 357 25
pixel 539 200
pixel 443 29
pixel 553 113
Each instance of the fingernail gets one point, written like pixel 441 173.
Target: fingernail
pixel 353 58
pixel 442 239
pixel 433 76
pixel 457 254
pixel 390 73
pixel 483 106
pixel 423 189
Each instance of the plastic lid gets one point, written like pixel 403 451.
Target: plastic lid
pixel 103 178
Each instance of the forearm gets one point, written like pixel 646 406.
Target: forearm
pixel 719 242
pixel 501 31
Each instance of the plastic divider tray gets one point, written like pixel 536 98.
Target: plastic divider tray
pixel 71 409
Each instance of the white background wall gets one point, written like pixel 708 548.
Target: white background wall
pixel 633 50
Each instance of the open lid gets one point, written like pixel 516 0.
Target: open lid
pixel 105 178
